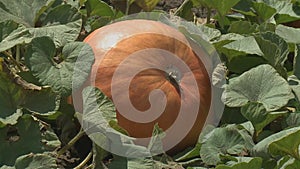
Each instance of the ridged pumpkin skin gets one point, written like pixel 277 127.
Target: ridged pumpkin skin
pixel 114 43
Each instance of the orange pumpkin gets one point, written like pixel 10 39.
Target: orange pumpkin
pixel 148 43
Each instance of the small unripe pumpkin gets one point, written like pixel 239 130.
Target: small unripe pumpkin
pixel 114 43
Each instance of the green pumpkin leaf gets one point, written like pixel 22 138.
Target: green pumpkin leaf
pixel 248 27
pixel 77 59
pixel 286 145
pixel 98 8
pixel 274 48
pixel 222 141
pixel 23 11
pixel 134 163
pixel 245 7
pixel 225 39
pixel 37 161
pixel 288 162
pixel 11 97
pixel 12 34
pixel 263 10
pixel 62 24
pixel 285 10
pixel 261 149
pixel 242 163
pixel 289 34
pixel 222 6
pixel 258 115
pixel 248 62
pixel 242 46
pixel 42 101
pixel 23 138
pixel 261 84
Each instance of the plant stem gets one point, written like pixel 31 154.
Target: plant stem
pixel 15 62
pixel 180 7
pixel 208 15
pixel 71 142
pixel 85 161
pixel 18 53
pixel 127 7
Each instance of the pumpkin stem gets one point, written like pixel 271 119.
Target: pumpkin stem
pixel 173 75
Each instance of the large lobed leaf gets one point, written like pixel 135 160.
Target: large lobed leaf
pixel 26 12
pixel 260 84
pixel 62 23
pixel 77 58
pixel 223 141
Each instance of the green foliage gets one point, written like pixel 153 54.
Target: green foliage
pixel 23 138
pixel 253 86
pixel 43 60
pixel 75 56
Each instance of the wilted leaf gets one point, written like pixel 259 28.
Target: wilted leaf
pixel 12 119
pixel 76 57
pixel 260 84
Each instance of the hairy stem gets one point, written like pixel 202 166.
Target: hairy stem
pixel 71 142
